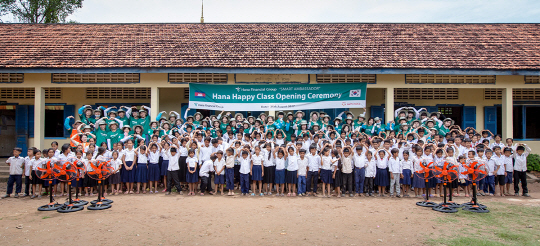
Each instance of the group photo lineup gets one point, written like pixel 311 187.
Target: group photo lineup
pixel 168 128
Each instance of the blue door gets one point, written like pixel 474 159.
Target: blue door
pixel 377 111
pixel 183 111
pixel 490 118
pixel 469 117
pixel 21 127
pixel 30 121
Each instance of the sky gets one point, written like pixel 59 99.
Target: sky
pixel 248 11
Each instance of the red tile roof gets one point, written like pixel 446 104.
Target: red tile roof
pixel 423 46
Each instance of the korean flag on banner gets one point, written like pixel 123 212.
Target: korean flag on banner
pixel 355 93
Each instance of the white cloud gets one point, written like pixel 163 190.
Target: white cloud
pixel 460 11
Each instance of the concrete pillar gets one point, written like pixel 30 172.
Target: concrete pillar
pixel 39 118
pixel 154 102
pixel 389 105
pixel 507 113
pixel 230 78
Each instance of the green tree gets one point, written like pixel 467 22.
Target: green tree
pixel 40 11
pixel 5 8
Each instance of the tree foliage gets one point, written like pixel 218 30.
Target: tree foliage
pixel 40 11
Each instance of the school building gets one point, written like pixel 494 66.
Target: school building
pixel 484 76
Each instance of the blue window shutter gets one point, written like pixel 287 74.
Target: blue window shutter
pixel 490 119
pixel 21 127
pixel 469 117
pixel 69 110
pixel 378 111
pixel 31 121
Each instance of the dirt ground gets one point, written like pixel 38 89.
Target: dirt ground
pixel 217 220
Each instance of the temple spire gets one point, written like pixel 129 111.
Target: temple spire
pixel 202 11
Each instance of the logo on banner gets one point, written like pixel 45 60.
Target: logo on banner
pixel 200 94
pixel 355 93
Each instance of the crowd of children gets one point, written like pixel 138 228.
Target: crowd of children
pixel 271 155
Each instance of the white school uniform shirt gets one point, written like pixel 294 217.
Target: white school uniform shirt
pixel 62 157
pixel 183 151
pixel 206 168
pixel 107 154
pixel 347 164
pixel 87 165
pixel 499 162
pixel 360 161
pixel 120 154
pixel 439 161
pixel 490 164
pixel 205 153
pixel 305 145
pixel 382 163
pixel 15 165
pixel 192 161
pixel 335 164
pixel 268 158
pixel 508 163
pixel 394 165
pixel 521 160
pixel 462 150
pixel 245 165
pixel 407 164
pixel 57 153
pixel 35 163
pixel 302 166
pixel 28 166
pixel 326 163
pixel 163 154
pixel 293 162
pixel 371 169
pixel 173 161
pixel 501 145
pixel 314 162
pixel 427 159
pixel 280 141
pixel 142 158
pixel 129 154
pixel 280 163
pixel 257 159
pixel 462 169
pixel 229 161
pixel 154 157
pixel 416 163
pixel 115 163
pixel 219 164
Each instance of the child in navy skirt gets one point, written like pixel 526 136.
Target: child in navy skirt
pixel 292 171
pixel 280 171
pixel 419 184
pixel 128 169
pixel 219 168
pixel 154 172
pixel 141 174
pixel 326 170
pixel 192 176
pixel 165 164
pixel 407 166
pixel 257 170
pixel 257 173
pixel 381 178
